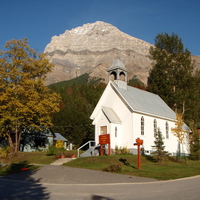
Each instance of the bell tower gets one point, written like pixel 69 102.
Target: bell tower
pixel 117 72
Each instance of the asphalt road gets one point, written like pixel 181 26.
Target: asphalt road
pixel 58 182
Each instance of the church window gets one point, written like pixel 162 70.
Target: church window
pixel 155 127
pixel 115 131
pixel 167 130
pixel 103 130
pixel 122 76
pixel 142 125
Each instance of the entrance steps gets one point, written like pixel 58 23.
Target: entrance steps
pixel 90 152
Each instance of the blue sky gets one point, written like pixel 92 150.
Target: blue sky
pixel 39 20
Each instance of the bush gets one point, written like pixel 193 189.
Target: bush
pixel 66 154
pixel 4 152
pixel 121 150
pixel 52 150
pixel 113 168
pixel 59 144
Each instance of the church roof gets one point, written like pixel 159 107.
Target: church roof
pixel 111 115
pixel 145 102
pixel 117 64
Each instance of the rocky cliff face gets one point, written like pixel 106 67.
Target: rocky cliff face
pixel 93 48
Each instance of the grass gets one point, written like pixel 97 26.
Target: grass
pixel 128 165
pixel 25 160
pixel 16 168
pixel 166 171
pixel 30 157
pixel 22 160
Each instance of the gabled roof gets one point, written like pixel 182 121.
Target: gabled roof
pixel 144 102
pixel 117 64
pixel 111 115
pixel 59 137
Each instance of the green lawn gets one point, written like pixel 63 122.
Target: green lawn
pixel 23 161
pixel 167 170
pixel 128 165
pixel 31 157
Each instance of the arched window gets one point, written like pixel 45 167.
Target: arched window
pixel 122 76
pixel 155 127
pixel 167 130
pixel 142 125
pixel 115 131
pixel 113 76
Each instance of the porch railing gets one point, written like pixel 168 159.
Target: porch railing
pixel 89 143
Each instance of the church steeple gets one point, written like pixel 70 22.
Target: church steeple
pixel 118 73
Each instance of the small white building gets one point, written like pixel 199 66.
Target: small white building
pixel 128 113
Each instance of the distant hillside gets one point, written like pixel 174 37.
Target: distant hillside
pixel 79 98
pixel 83 79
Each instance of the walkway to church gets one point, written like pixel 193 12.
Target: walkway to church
pixel 58 174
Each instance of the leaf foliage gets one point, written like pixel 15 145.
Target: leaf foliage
pixel 24 99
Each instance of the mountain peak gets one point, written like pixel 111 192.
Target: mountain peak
pixel 92 48
pixel 98 27
pixel 98 36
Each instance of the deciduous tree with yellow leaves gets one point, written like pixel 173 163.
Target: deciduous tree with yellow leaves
pixel 24 99
pixel 178 131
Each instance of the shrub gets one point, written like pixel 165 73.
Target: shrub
pixel 113 168
pixel 52 150
pixel 66 154
pixel 121 150
pixel 59 144
pixel 4 152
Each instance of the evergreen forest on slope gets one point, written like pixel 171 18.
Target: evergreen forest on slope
pixel 79 98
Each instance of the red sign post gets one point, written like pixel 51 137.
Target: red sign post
pixel 104 139
pixel 138 143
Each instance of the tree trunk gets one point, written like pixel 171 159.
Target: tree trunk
pixel 19 138
pixel 18 134
pixel 10 141
pixel 16 138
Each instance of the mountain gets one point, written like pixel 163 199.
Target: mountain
pixel 92 48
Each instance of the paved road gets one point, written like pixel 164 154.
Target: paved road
pixel 59 182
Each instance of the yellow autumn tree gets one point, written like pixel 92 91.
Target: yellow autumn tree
pixel 178 130
pixel 24 99
pixel 59 144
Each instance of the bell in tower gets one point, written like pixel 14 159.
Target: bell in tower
pixel 117 72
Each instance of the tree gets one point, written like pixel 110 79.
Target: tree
pixel 79 98
pixel 159 152
pixel 24 99
pixel 195 146
pixel 171 73
pixel 179 132
pixel 136 82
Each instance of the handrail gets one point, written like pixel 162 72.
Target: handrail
pixel 89 142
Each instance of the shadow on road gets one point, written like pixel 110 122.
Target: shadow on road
pixel 22 186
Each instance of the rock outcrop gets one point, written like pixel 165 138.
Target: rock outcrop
pixel 92 48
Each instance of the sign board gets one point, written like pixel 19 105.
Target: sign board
pixel 139 141
pixel 104 139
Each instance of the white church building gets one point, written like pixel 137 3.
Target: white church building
pixel 128 113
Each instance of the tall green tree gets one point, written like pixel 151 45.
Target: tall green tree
pixel 171 74
pixel 78 101
pixel 193 103
pixel 24 99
